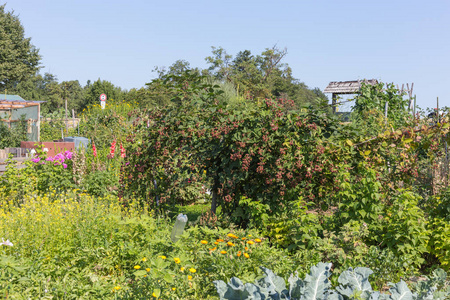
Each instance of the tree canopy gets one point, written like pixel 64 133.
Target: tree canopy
pixel 19 59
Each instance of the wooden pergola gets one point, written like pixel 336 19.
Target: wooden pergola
pixel 345 88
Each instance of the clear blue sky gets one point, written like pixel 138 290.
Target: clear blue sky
pixel 122 41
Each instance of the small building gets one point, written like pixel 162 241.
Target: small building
pixel 13 107
pixel 345 88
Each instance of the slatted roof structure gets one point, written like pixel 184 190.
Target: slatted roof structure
pixel 12 107
pixel 345 88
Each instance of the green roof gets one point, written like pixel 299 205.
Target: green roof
pixel 11 97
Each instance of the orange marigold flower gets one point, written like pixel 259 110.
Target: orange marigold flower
pixel 239 253
pixel 216 243
pixel 189 277
pixel 232 236
pixel 244 238
pixel 258 240
pixel 250 242
pixel 219 240
pixel 223 252
pixel 213 249
pixel 204 242
pixel 246 248
pixel 230 244
pixel 246 255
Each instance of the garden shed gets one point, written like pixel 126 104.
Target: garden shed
pixel 13 107
pixel 345 88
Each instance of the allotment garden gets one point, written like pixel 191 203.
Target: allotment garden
pixel 282 202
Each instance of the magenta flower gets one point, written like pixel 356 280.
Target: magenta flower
pixel 68 154
pixel 36 160
pixel 64 166
pixel 60 157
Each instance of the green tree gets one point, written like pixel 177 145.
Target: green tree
pixel 261 76
pixel 19 59
pixel 161 91
pixel 93 92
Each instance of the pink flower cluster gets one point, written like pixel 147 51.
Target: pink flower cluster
pixel 57 160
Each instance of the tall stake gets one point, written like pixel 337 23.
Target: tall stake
pixel 438 114
pixel 386 111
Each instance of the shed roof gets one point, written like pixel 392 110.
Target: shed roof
pixel 347 87
pixel 15 101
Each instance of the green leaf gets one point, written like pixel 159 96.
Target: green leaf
pixel 139 273
pixel 168 278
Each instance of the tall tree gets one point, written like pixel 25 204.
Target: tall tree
pixel 94 90
pixel 261 76
pixel 19 59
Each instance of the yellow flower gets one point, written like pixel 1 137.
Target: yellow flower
pixel 148 269
pixel 246 255
pixel 177 260
pixel 162 256
pixel 182 269
pixel 117 288
pixel 154 295
pixel 258 240
pixel 250 242
pixel 219 240
pixel 189 277
pixel 244 238
pixel 192 270
pixel 204 242
pixel 246 248
pixel 144 259
pixel 216 243
pixel 232 236
pixel 230 244
pixel 137 267
pixel 223 252
pixel 204 171
pixel 213 249
pixel 173 289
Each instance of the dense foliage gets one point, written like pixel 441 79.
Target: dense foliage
pixel 288 185
pixel 19 58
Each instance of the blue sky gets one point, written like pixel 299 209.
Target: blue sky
pixel 122 41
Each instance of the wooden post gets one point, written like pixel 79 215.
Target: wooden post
pixel 73 118
pixel 386 111
pixel 39 123
pixel 438 114
pixel 333 102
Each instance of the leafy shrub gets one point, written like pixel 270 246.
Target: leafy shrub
pixel 406 230
pixel 360 199
pixel 439 244
pixel 16 182
pixel 295 228
pixel 260 152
